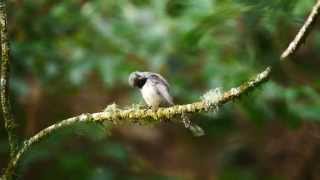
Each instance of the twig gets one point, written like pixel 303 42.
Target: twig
pixel 303 32
pixel 4 82
pixel 133 115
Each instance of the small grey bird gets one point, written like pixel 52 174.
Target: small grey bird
pixel 155 92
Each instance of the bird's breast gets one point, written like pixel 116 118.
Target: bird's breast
pixel 151 95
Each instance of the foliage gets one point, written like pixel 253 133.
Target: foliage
pixel 70 57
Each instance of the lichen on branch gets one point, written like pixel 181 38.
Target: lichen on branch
pixel 210 101
pixel 4 81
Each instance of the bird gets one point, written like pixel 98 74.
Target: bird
pixel 154 89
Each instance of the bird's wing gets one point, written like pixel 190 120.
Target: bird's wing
pixel 161 86
pixel 158 77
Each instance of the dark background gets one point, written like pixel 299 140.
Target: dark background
pixel 71 57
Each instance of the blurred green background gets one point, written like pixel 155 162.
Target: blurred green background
pixel 71 57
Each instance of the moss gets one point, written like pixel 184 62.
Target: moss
pixel 136 114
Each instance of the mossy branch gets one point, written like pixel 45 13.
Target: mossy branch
pixel 303 32
pixel 4 82
pixel 209 102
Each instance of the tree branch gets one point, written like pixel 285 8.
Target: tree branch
pixel 4 82
pixel 303 32
pixel 210 101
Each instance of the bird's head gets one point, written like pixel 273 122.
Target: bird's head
pixel 137 79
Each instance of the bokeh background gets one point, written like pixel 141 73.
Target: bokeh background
pixel 71 57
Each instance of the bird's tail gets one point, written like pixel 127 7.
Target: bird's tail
pixel 194 128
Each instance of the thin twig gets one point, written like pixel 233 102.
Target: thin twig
pixel 4 82
pixel 133 115
pixel 303 32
